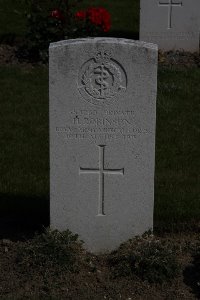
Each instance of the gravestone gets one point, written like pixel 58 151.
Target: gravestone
pixel 172 24
pixel 102 139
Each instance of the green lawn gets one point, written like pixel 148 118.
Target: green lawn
pixel 24 155
pixel 177 181
pixel 24 167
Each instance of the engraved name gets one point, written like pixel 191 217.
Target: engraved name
pixel 100 121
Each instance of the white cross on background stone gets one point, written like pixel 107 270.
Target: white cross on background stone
pixel 101 171
pixel 170 4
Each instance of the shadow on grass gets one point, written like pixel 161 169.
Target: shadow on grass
pixel 12 39
pixel 191 276
pixel 8 38
pixel 21 216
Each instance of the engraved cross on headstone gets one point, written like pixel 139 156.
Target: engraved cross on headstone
pixel 170 4
pixel 101 171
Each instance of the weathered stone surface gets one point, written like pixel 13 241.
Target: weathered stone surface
pixel 172 24
pixel 102 139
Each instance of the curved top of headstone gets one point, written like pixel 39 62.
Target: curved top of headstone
pixel 139 44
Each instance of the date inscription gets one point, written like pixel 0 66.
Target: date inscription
pixel 108 125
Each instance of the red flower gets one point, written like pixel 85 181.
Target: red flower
pixel 56 13
pixel 98 16
pixel 81 14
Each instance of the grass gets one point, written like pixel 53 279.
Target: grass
pixel 24 183
pixel 24 168
pixel 125 16
pixel 177 146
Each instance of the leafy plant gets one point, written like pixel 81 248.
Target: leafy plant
pixel 59 20
pixel 51 248
pixel 148 258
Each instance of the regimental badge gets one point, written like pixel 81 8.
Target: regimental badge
pixel 102 79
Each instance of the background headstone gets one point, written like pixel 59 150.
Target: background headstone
pixel 172 24
pixel 102 139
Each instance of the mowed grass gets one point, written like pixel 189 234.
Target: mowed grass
pixel 24 151
pixel 24 154
pixel 177 180
pixel 124 14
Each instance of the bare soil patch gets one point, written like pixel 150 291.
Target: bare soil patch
pixel 94 277
pixel 11 55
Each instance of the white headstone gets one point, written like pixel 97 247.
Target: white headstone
pixel 102 139
pixel 172 24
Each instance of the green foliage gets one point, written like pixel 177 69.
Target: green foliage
pixel 42 29
pixel 124 14
pixel 50 249
pixel 12 20
pixel 56 20
pixel 148 258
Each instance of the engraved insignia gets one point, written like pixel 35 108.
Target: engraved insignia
pixel 101 79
